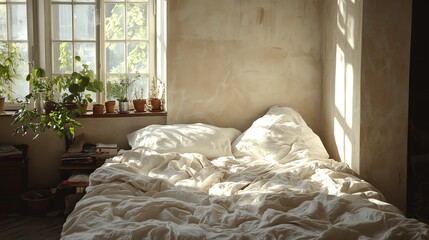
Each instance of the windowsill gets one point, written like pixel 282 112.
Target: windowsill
pixel 105 115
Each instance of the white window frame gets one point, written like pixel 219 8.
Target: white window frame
pixel 100 51
pixel 30 42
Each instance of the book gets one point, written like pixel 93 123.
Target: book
pixel 77 158
pixel 9 150
pixel 111 149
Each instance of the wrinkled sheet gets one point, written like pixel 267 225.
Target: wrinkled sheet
pixel 144 194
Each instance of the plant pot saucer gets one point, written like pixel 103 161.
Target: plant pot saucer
pixel 156 110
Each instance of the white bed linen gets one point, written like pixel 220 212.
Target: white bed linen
pixel 148 195
pixel 280 185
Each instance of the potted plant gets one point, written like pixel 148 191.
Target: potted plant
pixel 62 119
pixel 98 108
pixel 10 58
pixel 110 106
pixel 156 94
pixel 77 86
pixel 119 90
pixel 139 101
pixel 43 88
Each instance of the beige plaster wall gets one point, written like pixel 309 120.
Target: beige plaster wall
pixel 341 58
pixel 228 61
pixel 45 151
pixel 384 106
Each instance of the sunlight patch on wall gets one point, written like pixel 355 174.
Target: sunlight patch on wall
pixel 349 88
pixel 341 16
pixel 343 120
pixel 339 81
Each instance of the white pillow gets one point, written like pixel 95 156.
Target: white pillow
pixel 208 140
pixel 281 135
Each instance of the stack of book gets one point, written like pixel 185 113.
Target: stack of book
pixel 111 149
pixel 9 150
pixel 77 158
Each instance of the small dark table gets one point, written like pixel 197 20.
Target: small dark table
pixel 13 179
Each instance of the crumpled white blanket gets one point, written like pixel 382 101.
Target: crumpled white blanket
pixel 143 194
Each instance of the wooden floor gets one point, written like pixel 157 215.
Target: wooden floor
pixel 20 226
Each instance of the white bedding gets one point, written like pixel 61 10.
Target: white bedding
pixel 145 194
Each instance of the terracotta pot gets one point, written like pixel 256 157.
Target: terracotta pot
pixel 98 108
pixel 50 106
pixel 1 104
pixel 155 104
pixel 139 105
pixel 71 106
pixel 84 107
pixel 110 106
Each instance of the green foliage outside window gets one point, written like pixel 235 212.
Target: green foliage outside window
pixel 10 59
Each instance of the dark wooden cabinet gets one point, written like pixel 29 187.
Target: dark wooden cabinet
pixel 13 179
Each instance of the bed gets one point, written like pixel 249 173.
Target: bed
pixel 197 181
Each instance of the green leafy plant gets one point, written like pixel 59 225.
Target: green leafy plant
pixel 40 83
pixel 119 89
pixel 62 119
pixel 10 58
pixel 78 84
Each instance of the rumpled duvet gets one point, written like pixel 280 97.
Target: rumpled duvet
pixel 143 194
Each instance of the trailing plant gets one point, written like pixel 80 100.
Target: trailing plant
pixel 10 58
pixel 62 119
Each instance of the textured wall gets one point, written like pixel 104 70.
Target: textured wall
pixel 341 54
pixel 384 107
pixel 228 61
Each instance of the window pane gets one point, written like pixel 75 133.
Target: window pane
pixel 84 0
pixel 115 21
pixel 110 79
pixel 84 22
pixel 137 57
pixel 20 87
pixel 3 22
pixel 62 57
pixel 18 24
pixel 22 68
pixel 137 21
pixel 140 83
pixel 87 53
pixel 62 22
pixel 115 57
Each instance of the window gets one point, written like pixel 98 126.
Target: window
pixel 14 30
pixel 73 34
pixel 127 42
pixel 114 37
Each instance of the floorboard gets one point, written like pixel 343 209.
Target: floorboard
pixel 20 226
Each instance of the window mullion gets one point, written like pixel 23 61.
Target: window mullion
pixel 73 38
pixel 126 37
pixel 99 32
